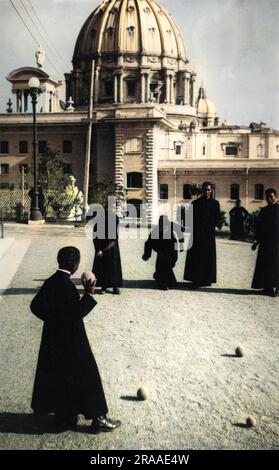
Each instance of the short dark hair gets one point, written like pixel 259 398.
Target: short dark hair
pixel 270 191
pixel 207 183
pixel 68 257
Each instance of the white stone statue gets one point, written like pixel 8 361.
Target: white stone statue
pixel 40 57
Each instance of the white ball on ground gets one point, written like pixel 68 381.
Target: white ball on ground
pixel 239 352
pixel 87 276
pixel 142 393
pixel 251 422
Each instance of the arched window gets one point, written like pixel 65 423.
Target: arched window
pixel 234 191
pixel 259 192
pixel 164 191
pixel 134 180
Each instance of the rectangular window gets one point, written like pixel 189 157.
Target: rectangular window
pixel 23 167
pixel 23 146
pixel 178 148
pixel 232 150
pixel 187 191
pixel 67 168
pixel 4 146
pixel 259 192
pixel 131 87
pixel 4 169
pixel 42 146
pixel 134 180
pixel 164 191
pixel 67 146
pixel 4 186
pixel 234 191
pixel 108 88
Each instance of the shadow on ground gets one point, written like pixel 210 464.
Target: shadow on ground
pixel 21 423
pixel 29 424
pixel 19 291
pixel 150 284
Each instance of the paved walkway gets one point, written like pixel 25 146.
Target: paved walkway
pixel 180 344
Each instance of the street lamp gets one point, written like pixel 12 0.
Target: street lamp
pixel 35 213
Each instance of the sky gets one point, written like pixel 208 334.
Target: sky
pixel 233 46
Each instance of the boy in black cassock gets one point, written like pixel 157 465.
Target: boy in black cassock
pixel 238 214
pixel 266 276
pixel 67 380
pixel 107 261
pixel 163 241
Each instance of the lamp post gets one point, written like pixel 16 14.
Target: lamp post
pixel 35 213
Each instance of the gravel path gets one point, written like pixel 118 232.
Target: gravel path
pixel 179 344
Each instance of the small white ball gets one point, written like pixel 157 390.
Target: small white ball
pixel 142 393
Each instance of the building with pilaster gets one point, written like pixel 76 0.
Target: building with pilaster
pixel 153 133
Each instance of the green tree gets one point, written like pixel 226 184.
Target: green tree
pixel 103 189
pixel 55 184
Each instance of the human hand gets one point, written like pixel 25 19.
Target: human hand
pixel 90 286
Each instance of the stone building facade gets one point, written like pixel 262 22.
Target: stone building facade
pixel 153 133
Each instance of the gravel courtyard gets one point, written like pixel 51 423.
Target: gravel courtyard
pixel 179 344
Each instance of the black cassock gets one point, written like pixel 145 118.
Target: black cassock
pixel 237 222
pixel 266 274
pixel 200 267
pixel 164 244
pixel 67 380
pixel 107 268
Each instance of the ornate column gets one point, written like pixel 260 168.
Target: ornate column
pixel 172 99
pixel 121 84
pixel 186 88
pixel 44 99
pixel 115 88
pixel 192 89
pixel 168 85
pixel 143 91
pixel 26 93
pixel 148 88
pixel 18 101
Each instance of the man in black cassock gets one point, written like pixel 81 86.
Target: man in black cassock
pixel 266 276
pixel 163 240
pixel 67 381
pixel 238 214
pixel 200 267
pixel 107 262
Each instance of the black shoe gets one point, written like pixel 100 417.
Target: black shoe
pixel 193 285
pixel 104 424
pixel 268 292
pixel 116 290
